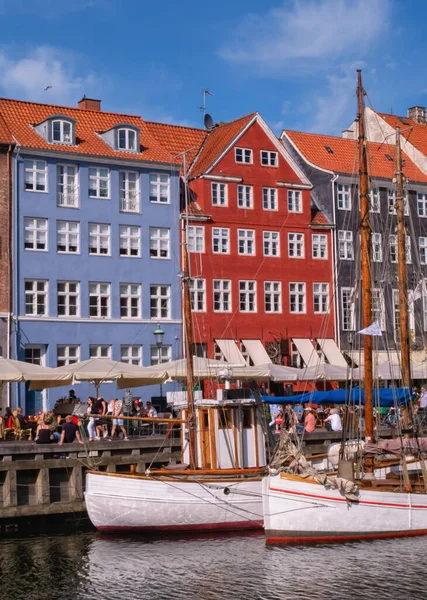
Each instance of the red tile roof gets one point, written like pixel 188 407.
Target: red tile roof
pixel 19 116
pixel 342 156
pixel 177 138
pixel 415 133
pixel 5 135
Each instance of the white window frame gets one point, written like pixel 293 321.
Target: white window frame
pixel 67 188
pixel 103 299
pixel 408 250
pixel 319 246
pixel 62 133
pixel 246 242
pixel 130 300
pixel 131 354
pixel 374 200
pixel 128 134
pixel 100 351
pixel 247 296
pixel 245 196
pixel 321 298
pixel 95 176
pixel 269 158
pixel 422 204
pixel 222 295
pixel 294 201
pixel 422 248
pixel 160 302
pixel 196 238
pixel 159 182
pixel 376 247
pixel 67 293
pixel 393 248
pixel 344 196
pixel 129 191
pixel 269 198
pixel 67 234
pixel 198 294
pixel 296 245
pixel 38 290
pixel 297 297
pixel 129 241
pixel 36 234
pixel 160 355
pixel 159 243
pixel 99 239
pixel 345 244
pixel 347 304
pixel 378 314
pixel 219 194
pixel 272 297
pixel 67 354
pixel 271 243
pixel 391 202
pixel 222 235
pixel 245 154
pixel 36 168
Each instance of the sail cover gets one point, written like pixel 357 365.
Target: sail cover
pixel 381 397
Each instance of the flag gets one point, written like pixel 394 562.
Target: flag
pixel 373 329
pixel 418 293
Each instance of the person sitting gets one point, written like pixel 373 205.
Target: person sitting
pixel 151 411
pixel 333 422
pixel 8 418
pixel 72 396
pixel 44 434
pixel 309 420
pixel 70 431
pixel 25 425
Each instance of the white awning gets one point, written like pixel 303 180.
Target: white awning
pixel 231 352
pixel 308 352
pixel 257 352
pixel 332 352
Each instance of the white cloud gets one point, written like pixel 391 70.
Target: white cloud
pixel 25 77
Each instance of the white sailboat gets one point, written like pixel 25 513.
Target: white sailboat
pixel 307 507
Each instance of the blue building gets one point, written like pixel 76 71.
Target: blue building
pixel 96 252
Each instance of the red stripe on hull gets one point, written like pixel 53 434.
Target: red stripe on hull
pixel 234 526
pixel 350 537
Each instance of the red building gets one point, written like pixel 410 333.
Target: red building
pixel 261 253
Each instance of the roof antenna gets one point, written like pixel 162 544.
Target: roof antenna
pixel 203 107
pixel 207 119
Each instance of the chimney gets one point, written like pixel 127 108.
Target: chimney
pixel 89 104
pixel 417 114
pixel 348 134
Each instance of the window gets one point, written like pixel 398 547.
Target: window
pixel 99 300
pixel 321 298
pixel 344 197
pixel 374 197
pixel 393 248
pixel 225 418
pixel 244 196
pixel 130 240
pixel 131 354
pixel 35 354
pixel 200 349
pixel 345 245
pixel 396 316
pixel 272 296
pixel 391 200
pixel 218 355
pixel 160 355
pixel 271 243
pixel 159 188
pixel 62 132
pixel 68 237
pixel 35 234
pixel 246 241
pixel 220 240
pixel 130 301
pixel 422 245
pixel 269 159
pixel 294 201
pixel 378 307
pixel 296 359
pixel 319 245
pixel 99 182
pixel 246 355
pixel 127 140
pixel 36 297
pixel 68 298
pixel 159 242
pixel 347 309
pixel 198 295
pixel 129 191
pixel 269 199
pixel 35 175
pixel 408 252
pixel 422 204
pixel 243 155
pixel 67 355
pixel 377 247
pixel 196 238
pixel 247 296
pixel 66 186
pixel 160 301
pixel 222 295
pixel 296 245
pixel 99 238
pixel 219 194
pixel 101 351
pixel 297 302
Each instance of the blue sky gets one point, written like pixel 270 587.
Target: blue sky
pixel 293 61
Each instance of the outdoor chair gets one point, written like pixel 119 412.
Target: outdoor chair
pixel 19 432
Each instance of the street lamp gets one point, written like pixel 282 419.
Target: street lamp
pixel 158 336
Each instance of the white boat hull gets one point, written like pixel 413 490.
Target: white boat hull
pixel 298 511
pixel 142 503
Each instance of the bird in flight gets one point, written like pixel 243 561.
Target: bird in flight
pixel 48 87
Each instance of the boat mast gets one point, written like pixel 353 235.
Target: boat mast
pixel 402 275
pixel 365 247
pixel 188 325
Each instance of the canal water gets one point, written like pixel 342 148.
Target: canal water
pixel 86 566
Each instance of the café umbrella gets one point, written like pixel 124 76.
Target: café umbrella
pixel 16 370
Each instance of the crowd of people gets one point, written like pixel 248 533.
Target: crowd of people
pixel 297 418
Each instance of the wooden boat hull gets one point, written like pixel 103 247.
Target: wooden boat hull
pixel 301 511
pixel 117 502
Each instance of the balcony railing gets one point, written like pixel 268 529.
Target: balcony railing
pixel 129 202
pixel 68 198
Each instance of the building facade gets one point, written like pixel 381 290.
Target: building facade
pixel 95 241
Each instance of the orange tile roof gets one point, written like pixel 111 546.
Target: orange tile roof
pixel 19 117
pixel 318 217
pixel 415 133
pixel 177 138
pixel 343 156
pixel 5 135
pixel 216 142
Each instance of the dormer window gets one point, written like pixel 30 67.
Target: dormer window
pixel 62 132
pixel 127 140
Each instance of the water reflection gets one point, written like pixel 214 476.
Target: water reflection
pixel 88 566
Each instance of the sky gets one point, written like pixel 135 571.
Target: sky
pixel 293 61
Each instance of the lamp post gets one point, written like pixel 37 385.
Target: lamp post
pixel 158 335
